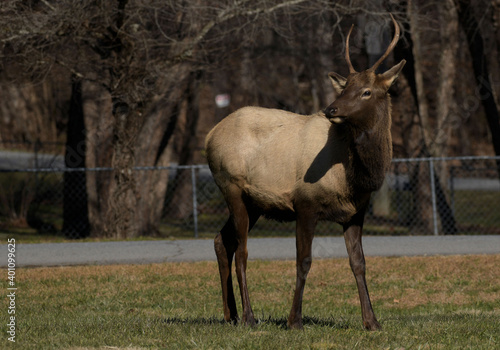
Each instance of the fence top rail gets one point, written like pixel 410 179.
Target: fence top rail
pixel 205 166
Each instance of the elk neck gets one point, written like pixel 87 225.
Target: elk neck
pixel 370 149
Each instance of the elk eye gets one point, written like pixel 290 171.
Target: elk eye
pixel 366 93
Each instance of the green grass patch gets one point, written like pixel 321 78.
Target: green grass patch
pixel 422 303
pixel 477 211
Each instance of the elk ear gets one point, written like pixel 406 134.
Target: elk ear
pixel 392 74
pixel 338 82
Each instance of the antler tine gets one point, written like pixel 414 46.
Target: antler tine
pixel 347 58
pixel 391 46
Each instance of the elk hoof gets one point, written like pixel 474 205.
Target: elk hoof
pixel 372 325
pixel 297 324
pixel 248 321
pixel 232 320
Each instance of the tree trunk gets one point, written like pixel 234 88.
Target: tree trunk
pixel 126 202
pixel 423 107
pixel 98 120
pixel 419 179
pixel 122 201
pixel 75 215
pixel 107 204
pixel 151 149
pixel 152 184
pixel 475 42
pixel 421 223
pixel 181 206
pixel 445 108
pixel 493 55
pixel 447 69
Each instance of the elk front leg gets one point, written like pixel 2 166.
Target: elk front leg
pixel 352 235
pixel 304 238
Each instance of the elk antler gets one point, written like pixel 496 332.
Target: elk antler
pixel 347 58
pixel 391 46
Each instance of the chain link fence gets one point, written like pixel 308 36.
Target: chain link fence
pixel 459 195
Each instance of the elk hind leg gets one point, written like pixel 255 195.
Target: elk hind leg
pixel 232 242
pixel 244 219
pixel 225 246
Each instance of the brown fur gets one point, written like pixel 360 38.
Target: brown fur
pixel 305 168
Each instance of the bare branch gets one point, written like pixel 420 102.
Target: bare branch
pixel 226 15
pixel 46 3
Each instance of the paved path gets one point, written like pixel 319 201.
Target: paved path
pixel 144 252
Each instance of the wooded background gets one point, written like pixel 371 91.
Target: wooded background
pixel 130 83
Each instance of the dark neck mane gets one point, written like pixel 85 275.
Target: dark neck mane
pixel 370 154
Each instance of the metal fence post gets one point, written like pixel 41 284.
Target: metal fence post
pixel 452 189
pixel 433 194
pixel 398 189
pixel 195 201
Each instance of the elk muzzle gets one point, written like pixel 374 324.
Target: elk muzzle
pixel 332 113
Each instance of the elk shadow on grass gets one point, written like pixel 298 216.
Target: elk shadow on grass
pixel 329 322
pixel 194 320
pixel 280 322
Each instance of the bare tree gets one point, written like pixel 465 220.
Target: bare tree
pixel 142 54
pixel 138 62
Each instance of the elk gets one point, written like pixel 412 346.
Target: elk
pixel 288 167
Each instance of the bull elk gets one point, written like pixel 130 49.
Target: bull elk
pixel 289 167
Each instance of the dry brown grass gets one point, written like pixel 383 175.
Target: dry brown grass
pixel 405 282
pixel 412 281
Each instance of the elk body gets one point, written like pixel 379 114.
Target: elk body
pixel 287 167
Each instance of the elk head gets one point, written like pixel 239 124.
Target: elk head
pixel 361 94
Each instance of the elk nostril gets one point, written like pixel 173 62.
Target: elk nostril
pixel 330 111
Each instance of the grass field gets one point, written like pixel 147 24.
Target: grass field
pixel 422 303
